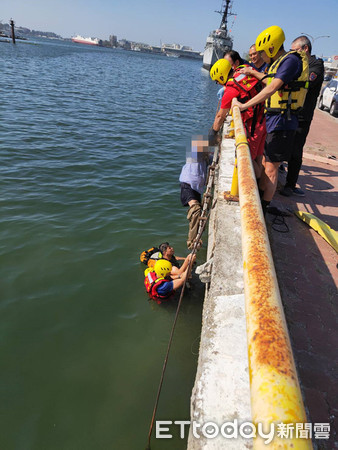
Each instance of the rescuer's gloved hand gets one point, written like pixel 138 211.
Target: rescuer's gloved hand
pixel 220 93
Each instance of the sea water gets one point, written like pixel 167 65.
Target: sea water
pixel 92 144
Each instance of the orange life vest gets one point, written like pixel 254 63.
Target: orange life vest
pixel 146 256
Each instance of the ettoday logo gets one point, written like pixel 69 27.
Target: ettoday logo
pixel 246 430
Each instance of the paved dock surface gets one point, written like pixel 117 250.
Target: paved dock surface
pixel 307 271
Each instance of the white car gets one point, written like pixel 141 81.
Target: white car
pixel 329 97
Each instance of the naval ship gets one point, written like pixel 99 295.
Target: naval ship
pixel 218 41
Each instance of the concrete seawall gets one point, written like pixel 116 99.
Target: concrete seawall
pixel 222 392
pixel 306 268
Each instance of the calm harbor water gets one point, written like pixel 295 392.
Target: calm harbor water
pixel 92 143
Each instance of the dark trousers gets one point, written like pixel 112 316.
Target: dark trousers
pixel 296 158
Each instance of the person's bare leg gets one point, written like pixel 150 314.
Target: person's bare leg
pixel 270 181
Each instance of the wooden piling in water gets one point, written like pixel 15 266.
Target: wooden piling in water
pixel 13 32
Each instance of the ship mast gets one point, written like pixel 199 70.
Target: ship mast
pixel 225 15
pixel 219 41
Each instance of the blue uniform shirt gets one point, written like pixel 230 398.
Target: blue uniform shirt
pixel 260 69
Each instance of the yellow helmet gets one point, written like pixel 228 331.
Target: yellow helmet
pixel 220 71
pixel 162 267
pixel 270 40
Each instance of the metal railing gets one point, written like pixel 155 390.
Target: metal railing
pixel 275 391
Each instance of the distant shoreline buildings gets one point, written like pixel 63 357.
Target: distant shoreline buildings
pixel 5 31
pixel 174 50
pixel 171 50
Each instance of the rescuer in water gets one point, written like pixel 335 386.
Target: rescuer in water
pixel 284 96
pixel 161 283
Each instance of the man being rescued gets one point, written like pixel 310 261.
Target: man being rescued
pixel 163 251
pixel 192 180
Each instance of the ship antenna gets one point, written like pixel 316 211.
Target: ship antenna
pixel 226 12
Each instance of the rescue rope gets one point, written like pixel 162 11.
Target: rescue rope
pixel 194 250
pixel 206 211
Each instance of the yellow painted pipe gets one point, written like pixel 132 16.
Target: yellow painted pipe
pixel 275 391
pixel 234 182
pixel 231 132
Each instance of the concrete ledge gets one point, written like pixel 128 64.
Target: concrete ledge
pixel 222 392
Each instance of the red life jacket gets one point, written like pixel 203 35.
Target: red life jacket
pixel 247 84
pixel 151 283
pixel 248 87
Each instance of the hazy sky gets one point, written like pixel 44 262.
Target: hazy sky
pixel 187 22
